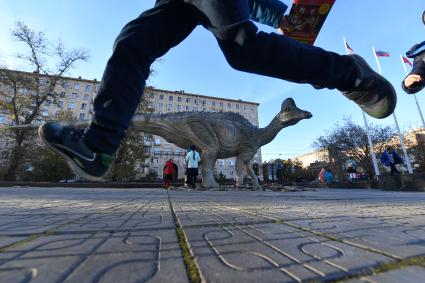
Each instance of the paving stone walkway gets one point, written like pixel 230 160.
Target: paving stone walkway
pixel 141 235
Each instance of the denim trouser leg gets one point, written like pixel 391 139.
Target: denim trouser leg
pixel 272 54
pixel 139 44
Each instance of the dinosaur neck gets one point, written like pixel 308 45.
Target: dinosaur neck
pixel 268 133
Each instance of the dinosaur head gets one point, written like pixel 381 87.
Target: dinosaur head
pixel 290 114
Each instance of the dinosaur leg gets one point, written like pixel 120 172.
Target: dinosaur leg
pixel 208 162
pixel 239 172
pixel 251 173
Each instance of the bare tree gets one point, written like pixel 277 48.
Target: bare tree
pixel 350 140
pixel 22 94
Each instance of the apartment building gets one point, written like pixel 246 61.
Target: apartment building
pixel 77 95
pixel 164 101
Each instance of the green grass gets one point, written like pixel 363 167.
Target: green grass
pixel 191 267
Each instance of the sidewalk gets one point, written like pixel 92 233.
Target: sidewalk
pixel 130 235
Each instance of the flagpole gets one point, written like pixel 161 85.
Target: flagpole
pixel 403 146
pixel 369 139
pixel 345 45
pixel 377 60
pixel 414 95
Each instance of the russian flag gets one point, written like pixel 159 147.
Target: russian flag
pixel 407 61
pixel 382 53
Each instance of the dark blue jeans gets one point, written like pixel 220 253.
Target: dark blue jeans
pixel 157 30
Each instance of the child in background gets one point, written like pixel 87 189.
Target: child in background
pixel 168 173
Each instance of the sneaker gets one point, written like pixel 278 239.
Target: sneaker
pixel 68 142
pixel 373 93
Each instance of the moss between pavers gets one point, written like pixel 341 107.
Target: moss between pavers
pixel 191 267
pixel 385 267
pixel 19 243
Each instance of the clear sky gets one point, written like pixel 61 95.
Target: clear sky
pixel 198 66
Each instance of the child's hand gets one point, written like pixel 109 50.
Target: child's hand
pixel 412 79
pixel 285 25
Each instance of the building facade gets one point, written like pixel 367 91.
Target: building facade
pixel 76 96
pixel 164 101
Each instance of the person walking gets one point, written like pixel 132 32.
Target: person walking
pixel 168 173
pixel 390 158
pixel 321 175
pixel 90 152
pixel 351 166
pixel 329 177
pixel 192 164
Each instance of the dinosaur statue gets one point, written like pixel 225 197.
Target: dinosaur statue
pixel 216 134
pixel 219 135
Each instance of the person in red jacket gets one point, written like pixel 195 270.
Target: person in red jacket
pixel 168 173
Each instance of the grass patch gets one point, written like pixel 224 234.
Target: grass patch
pixel 191 267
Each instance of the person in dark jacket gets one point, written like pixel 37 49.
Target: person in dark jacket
pixel 390 158
pixel 415 80
pixel 90 151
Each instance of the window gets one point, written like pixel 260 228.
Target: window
pixel 60 104
pixel 97 88
pixel 157 141
pixel 88 88
pixel 196 101
pixel 187 108
pixel 179 108
pixel 213 103
pixel 62 94
pixel 86 96
pixel 65 85
pixel 204 102
pixel 150 105
pixel 71 105
pixel 237 106
pixel 83 106
pixel 170 107
pixel 221 104
pixel 44 113
pixel 195 109
pixel 170 98
pixel 161 97
pixel 73 95
pixel 188 100
pixel 229 105
pixel 231 163
pixel 221 162
pixel 179 99
pixel 147 138
pixel 204 109
pixel 76 86
pixel 82 116
pixel 151 95
pixel 161 106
